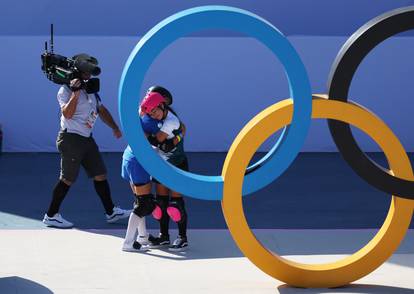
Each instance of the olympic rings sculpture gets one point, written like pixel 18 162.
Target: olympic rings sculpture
pixel 233 183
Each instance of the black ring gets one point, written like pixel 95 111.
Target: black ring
pixel 343 69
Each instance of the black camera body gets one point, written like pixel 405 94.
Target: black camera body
pixel 61 69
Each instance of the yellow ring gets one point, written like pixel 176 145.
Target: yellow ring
pixel 334 274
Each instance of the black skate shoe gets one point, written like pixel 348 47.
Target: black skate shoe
pixel 159 242
pixel 179 244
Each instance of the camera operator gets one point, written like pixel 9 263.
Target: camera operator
pixel 76 145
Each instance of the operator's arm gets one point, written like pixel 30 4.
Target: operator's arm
pixel 69 109
pixel 107 118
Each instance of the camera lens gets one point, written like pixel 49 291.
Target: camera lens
pixel 96 71
pixel 87 67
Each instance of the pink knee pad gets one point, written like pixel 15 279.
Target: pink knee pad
pixel 174 213
pixel 157 213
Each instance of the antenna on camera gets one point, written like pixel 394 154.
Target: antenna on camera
pixel 51 37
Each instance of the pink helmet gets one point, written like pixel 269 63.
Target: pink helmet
pixel 151 100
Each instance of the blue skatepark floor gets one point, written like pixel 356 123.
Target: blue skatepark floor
pixel 318 191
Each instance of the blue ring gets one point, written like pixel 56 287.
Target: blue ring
pixel 184 23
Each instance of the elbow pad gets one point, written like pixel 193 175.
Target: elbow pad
pixel 153 141
pixel 167 145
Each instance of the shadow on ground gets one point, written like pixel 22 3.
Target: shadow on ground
pixel 21 285
pixel 353 288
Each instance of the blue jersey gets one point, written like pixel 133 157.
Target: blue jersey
pixel 150 126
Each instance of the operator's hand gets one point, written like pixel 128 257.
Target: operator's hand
pixel 75 85
pixel 117 133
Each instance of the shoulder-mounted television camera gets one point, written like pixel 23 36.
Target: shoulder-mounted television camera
pixel 61 70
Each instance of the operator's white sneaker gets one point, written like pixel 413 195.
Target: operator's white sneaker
pixel 56 221
pixel 117 214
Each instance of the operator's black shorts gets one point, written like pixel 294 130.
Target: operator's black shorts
pixel 183 165
pixel 76 151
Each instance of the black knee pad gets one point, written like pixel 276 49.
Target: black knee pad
pixel 162 201
pixel 144 205
pixel 176 210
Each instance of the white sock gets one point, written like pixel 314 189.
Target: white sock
pixel 131 233
pixel 142 228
